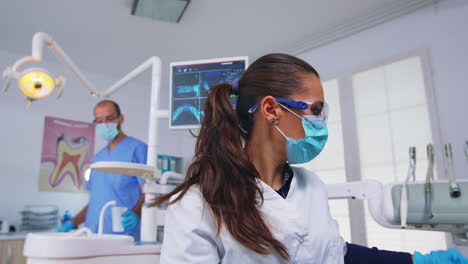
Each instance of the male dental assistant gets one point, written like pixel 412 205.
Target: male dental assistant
pixel 104 187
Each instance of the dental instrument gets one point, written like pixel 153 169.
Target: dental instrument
pixel 454 187
pixel 404 192
pixel 409 203
pixel 428 187
pixel 383 201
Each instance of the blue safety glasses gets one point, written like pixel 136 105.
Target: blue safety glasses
pixel 319 108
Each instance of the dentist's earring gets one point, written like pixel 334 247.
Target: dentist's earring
pixel 273 122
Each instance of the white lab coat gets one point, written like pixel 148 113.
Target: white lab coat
pixel 301 222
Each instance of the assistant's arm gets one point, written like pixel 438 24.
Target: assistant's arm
pixel 80 217
pixel 357 254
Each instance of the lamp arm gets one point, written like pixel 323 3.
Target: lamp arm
pixel 41 38
pixel 155 62
pixel 24 60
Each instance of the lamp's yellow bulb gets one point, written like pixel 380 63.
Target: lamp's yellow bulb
pixel 36 84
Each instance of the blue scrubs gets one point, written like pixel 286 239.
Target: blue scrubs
pixel 125 190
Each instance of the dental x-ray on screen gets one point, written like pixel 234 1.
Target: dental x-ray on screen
pixel 190 83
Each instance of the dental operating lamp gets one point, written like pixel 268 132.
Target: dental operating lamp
pixel 34 83
pixel 37 83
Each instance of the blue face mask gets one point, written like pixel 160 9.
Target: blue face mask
pixel 306 149
pixel 107 131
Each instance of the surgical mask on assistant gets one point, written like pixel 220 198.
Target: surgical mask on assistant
pixel 107 131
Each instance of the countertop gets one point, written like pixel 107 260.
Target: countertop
pixel 20 235
pixel 13 235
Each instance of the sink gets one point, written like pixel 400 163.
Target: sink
pixel 85 247
pixel 70 246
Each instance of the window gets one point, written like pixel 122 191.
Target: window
pixel 392 115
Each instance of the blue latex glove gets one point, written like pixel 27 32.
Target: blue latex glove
pixel 449 256
pixel 129 220
pixel 67 226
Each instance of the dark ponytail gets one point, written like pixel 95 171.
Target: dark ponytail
pixel 221 169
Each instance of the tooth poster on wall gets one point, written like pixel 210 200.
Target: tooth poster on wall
pixel 67 151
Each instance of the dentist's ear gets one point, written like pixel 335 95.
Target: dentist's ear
pixel 270 109
pixel 121 121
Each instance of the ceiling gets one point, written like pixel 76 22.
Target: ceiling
pixel 101 36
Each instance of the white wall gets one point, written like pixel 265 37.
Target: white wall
pixel 22 130
pixel 440 29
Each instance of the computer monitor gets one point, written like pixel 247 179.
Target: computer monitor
pixel 190 83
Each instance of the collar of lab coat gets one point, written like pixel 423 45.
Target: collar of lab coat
pixel 281 213
pixel 271 194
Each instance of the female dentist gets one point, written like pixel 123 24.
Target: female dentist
pixel 242 201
